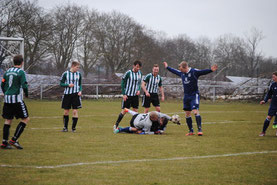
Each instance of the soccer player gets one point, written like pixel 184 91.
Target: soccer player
pixel 13 84
pixel 191 98
pixel 72 81
pixel 130 86
pixel 142 123
pixel 150 85
pixel 272 111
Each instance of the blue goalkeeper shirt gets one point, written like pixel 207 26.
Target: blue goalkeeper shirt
pixel 272 94
pixel 190 79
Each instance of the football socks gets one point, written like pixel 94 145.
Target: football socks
pixel 266 124
pixel 19 129
pixel 189 123
pixel 74 123
pixel 198 121
pixel 65 121
pixel 120 116
pixel 6 131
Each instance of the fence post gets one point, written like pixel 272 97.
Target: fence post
pixel 97 91
pixel 214 94
pixel 41 89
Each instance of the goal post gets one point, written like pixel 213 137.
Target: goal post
pixel 13 39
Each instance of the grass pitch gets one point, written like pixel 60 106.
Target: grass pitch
pixel 229 152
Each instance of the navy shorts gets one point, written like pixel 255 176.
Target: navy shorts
pixel 18 110
pixel 272 111
pixel 191 102
pixel 154 99
pixel 132 101
pixel 71 101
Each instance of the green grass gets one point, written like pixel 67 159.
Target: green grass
pixel 229 128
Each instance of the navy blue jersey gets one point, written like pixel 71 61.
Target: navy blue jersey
pixel 190 79
pixel 272 94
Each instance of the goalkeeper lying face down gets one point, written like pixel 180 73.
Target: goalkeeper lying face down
pixel 147 123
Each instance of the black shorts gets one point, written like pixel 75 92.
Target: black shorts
pixel 132 101
pixel 132 120
pixel 18 110
pixel 71 101
pixel 154 99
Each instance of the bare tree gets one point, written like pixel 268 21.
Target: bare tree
pixel 66 30
pixel 9 12
pixel 33 25
pixel 90 49
pixel 254 54
pixel 117 34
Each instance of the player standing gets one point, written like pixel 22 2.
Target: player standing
pixel 272 111
pixel 191 98
pixel 13 83
pixel 150 85
pixel 130 86
pixel 72 81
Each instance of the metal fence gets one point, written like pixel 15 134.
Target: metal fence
pixel 212 92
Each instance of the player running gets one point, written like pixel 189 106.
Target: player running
pixel 191 93
pixel 272 111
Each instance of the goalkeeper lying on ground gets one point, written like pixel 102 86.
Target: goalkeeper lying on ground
pixel 148 123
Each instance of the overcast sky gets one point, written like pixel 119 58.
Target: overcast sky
pixel 195 18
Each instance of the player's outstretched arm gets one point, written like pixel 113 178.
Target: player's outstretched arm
pixel 165 65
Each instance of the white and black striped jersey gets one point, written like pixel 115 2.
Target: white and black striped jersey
pixel 13 84
pixel 131 83
pixel 71 78
pixel 152 82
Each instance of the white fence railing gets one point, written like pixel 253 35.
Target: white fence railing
pixel 210 91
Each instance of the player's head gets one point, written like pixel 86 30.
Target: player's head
pixel 184 67
pixel 153 116
pixel 137 65
pixel 155 69
pixel 75 66
pixel 274 76
pixel 17 60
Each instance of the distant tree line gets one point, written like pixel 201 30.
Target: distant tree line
pixel 113 41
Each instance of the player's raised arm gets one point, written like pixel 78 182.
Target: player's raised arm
pixel 165 65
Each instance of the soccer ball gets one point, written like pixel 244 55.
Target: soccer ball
pixel 175 118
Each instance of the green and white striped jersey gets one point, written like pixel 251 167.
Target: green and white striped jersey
pixel 71 78
pixel 13 84
pixel 152 82
pixel 131 83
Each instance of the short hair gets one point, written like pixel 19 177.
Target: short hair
pixel 155 65
pixel 75 63
pixel 153 115
pixel 137 62
pixel 183 64
pixel 17 59
pixel 275 73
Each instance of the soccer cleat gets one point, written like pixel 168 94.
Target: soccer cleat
pixel 64 130
pixel 274 126
pixel 116 131
pixel 190 134
pixel 73 130
pixel 6 146
pixel 15 144
pixel 262 134
pixel 200 133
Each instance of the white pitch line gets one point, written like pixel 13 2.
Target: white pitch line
pixel 137 160
pixel 169 113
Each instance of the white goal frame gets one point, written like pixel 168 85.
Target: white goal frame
pixel 19 39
